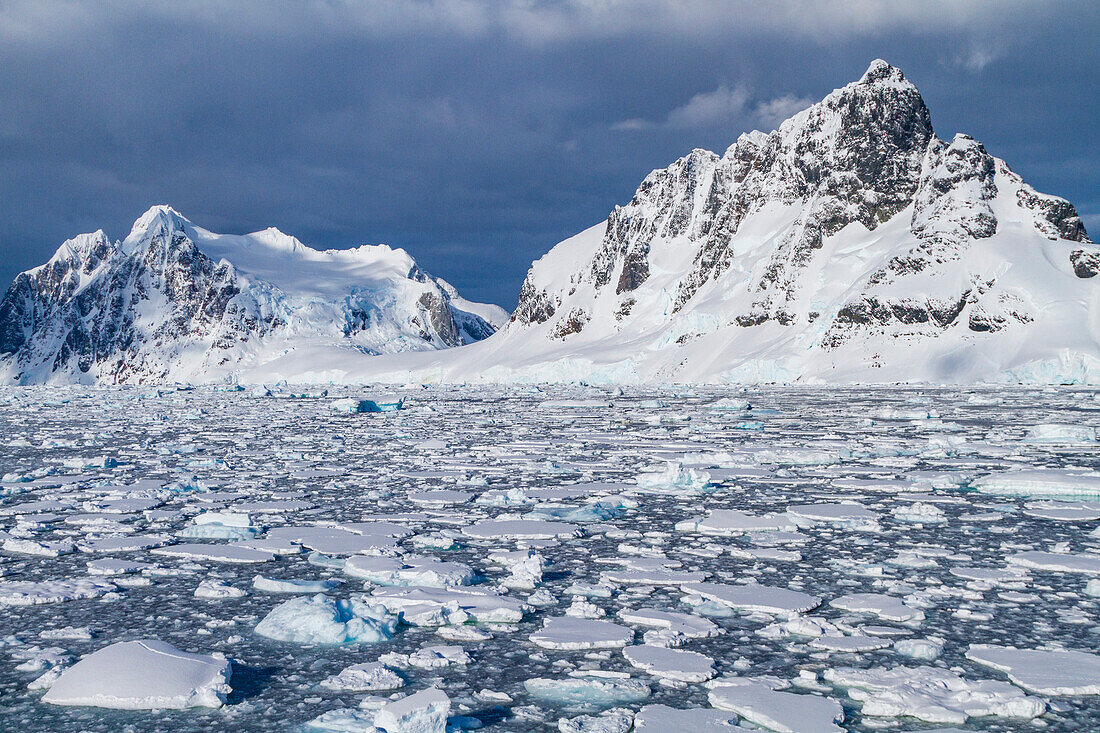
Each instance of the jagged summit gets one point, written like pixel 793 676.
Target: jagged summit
pixel 880 70
pixel 173 301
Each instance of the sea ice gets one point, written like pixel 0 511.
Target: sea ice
pixel 31 592
pixel 932 694
pixel 366 677
pixel 575 633
pixel 143 674
pixel 671 664
pixel 416 571
pixel 754 597
pixel 1057 562
pixel 598 691
pixel 521 529
pixel 883 606
pixel 1047 672
pixel 784 712
pixel 664 719
pixel 216 553
pixel 273 585
pixel 456 605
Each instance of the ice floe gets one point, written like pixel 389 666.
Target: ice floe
pixel 143 674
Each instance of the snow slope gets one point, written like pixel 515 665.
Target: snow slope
pixel 175 302
pixel 850 245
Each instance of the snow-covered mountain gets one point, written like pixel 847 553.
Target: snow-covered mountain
pixel 851 244
pixel 174 302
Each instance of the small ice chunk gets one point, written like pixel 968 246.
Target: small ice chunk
pixel 143 674
pixel 423 712
pixel 368 677
pixel 210 588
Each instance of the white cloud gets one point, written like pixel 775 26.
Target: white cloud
pixel 535 21
pixel 773 111
pixel 977 58
pixel 723 107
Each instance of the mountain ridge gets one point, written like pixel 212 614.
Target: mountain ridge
pixel 851 244
pixel 172 301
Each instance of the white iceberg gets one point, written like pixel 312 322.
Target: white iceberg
pixel 322 620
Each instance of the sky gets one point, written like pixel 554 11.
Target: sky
pixel 476 134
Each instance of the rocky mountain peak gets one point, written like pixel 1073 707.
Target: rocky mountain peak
pixel 879 71
pixel 850 222
pixel 158 220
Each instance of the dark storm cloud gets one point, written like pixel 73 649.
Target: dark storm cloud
pixel 477 134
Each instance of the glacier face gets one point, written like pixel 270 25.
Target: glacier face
pixel 850 244
pixel 175 302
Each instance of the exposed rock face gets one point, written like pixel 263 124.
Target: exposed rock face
pixel 155 307
pixel 1086 263
pixel 852 222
